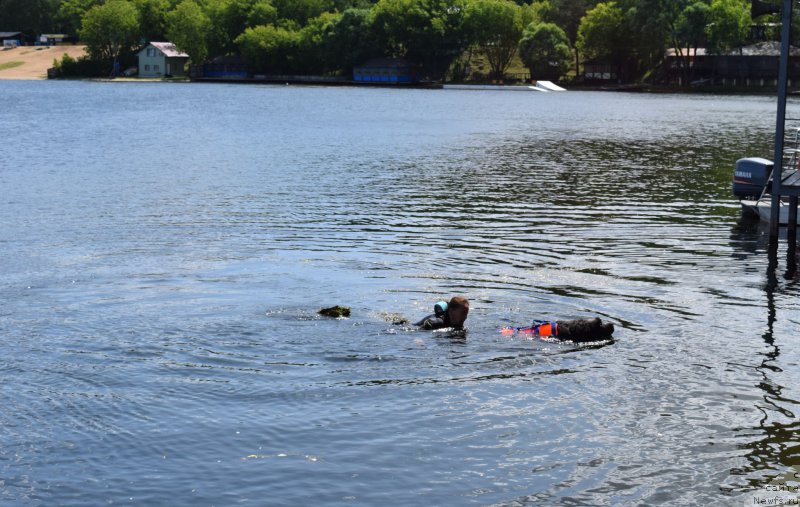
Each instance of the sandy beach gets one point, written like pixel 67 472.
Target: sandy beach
pixel 32 62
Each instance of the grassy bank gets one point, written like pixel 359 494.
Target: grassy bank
pixel 10 65
pixel 32 62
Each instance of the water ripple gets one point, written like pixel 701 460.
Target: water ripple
pixel 161 344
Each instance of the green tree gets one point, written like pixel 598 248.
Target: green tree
pixel 311 45
pixel 534 12
pixel 429 32
pixel 153 18
pixel 659 25
pixel 692 24
pixel 269 49
pixel 262 13
pixel 110 30
pixel 30 16
pixel 343 5
pixel 567 15
pixel 690 33
pixel 496 27
pixel 350 40
pixel 228 18
pixel 70 13
pixel 601 30
pixel 544 49
pixel 188 28
pixel 301 11
pixel 729 24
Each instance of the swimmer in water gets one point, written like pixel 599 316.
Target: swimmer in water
pixel 452 314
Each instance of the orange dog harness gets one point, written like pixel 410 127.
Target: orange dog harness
pixel 539 328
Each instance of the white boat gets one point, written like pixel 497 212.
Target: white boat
pixel 762 208
pixel 752 182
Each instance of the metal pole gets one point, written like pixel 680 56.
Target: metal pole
pixel 780 121
pixel 791 238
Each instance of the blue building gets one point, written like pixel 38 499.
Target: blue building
pixel 387 71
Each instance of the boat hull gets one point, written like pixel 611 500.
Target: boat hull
pixel 507 88
pixel 763 209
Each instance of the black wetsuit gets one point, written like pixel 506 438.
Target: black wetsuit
pixel 434 322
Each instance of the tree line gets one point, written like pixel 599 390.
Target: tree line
pixel 550 37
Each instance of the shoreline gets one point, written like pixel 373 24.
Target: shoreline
pixel 30 63
pixel 645 89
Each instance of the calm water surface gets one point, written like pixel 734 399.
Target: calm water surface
pixel 165 248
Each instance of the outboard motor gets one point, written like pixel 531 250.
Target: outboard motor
pixel 751 176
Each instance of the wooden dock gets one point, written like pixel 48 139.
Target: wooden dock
pixel 790 179
pixel 788 183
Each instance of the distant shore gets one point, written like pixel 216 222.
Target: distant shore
pixel 32 62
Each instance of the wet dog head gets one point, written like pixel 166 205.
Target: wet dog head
pixel 584 330
pixel 457 311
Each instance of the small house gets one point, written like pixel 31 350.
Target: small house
pixel 52 39
pixel 386 71
pixel 609 70
pixel 12 39
pixel 159 59
pixel 753 65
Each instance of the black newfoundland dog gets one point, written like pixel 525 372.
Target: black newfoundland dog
pixel 584 330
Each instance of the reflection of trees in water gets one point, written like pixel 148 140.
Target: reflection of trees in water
pixel 575 169
pixel 774 445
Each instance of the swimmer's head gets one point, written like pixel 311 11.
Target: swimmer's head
pixel 457 310
pixel 440 308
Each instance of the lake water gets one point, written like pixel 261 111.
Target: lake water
pixel 165 248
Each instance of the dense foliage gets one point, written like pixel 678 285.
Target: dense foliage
pixel 110 29
pixel 189 27
pixel 544 49
pixel 332 36
pixel 495 26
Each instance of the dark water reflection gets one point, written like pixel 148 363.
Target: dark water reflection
pixel 165 248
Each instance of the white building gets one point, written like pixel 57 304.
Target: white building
pixel 160 59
